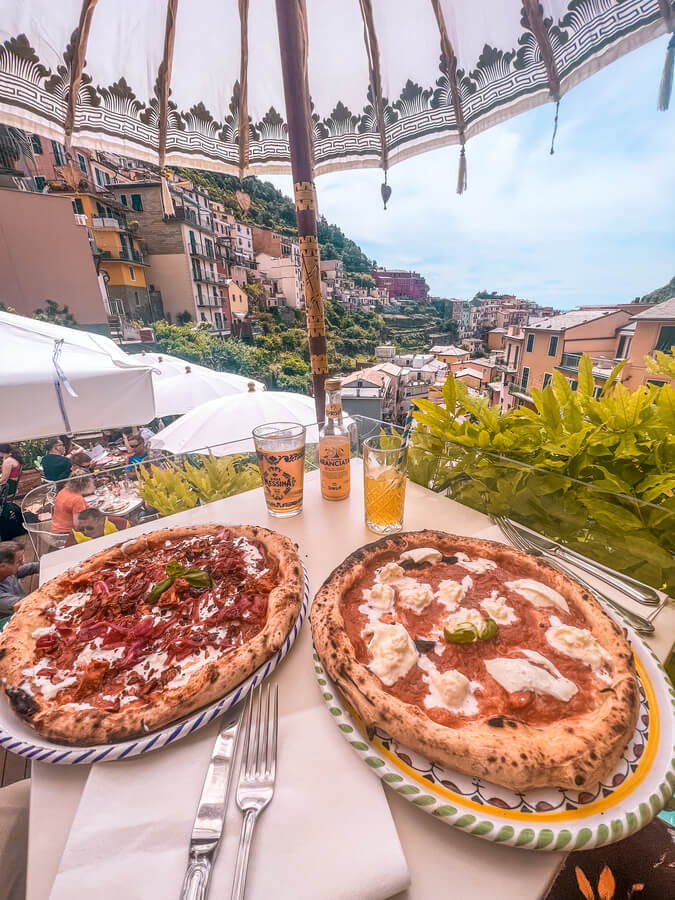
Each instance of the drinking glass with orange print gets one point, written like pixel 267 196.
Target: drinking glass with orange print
pixel 385 461
pixel 280 448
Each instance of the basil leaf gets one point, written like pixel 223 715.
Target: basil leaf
pixel 465 634
pixel 175 570
pixel 198 578
pixel 489 631
pixel 159 589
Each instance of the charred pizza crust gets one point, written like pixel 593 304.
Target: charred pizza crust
pixel 212 681
pixel 575 753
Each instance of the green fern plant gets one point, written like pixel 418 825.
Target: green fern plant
pixel 167 490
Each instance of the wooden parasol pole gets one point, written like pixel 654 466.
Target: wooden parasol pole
pixel 291 20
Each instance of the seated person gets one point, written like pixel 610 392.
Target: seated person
pixel 138 452
pixel 55 465
pixel 92 524
pixel 70 502
pixel 11 570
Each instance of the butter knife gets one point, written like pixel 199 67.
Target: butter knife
pixel 210 819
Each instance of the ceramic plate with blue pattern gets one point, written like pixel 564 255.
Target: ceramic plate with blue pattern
pixel 18 737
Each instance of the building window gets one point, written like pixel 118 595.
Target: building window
pixel 196 271
pixel 40 182
pixel 553 345
pixel 530 343
pixel 515 357
pixel 219 321
pixel 138 299
pixel 37 143
pixel 123 198
pixel 82 163
pixel 193 242
pixel 100 209
pixel 78 209
pixel 203 317
pixel 59 153
pixel 666 338
pixel 525 378
pixel 200 299
pixel 596 391
pixel 99 177
pixel 574 384
pixel 547 380
pixel 132 274
pixel 136 202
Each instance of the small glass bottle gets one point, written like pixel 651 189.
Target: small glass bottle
pixel 334 446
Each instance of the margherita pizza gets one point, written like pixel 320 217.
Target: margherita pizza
pixel 479 657
pixel 145 632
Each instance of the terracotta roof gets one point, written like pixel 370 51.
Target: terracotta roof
pixel 658 313
pixel 373 375
pixel 569 320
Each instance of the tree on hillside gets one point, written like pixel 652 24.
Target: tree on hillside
pixel 660 294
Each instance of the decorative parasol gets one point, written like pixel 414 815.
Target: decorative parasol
pixel 320 85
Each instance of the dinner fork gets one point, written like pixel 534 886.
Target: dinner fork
pixel 517 538
pixel 257 772
pixel 635 590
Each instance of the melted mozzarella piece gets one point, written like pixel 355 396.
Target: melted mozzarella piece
pixel 40 632
pixel 43 683
pixel 496 607
pixel 416 598
pixel 518 675
pixel 478 566
pixel 381 596
pixel 252 556
pixel 153 665
pixel 537 594
pixel 578 643
pixel 449 690
pixel 393 652
pixel 422 554
pixel 450 593
pixel 391 571
pixel 192 664
pixel 93 651
pixel 464 616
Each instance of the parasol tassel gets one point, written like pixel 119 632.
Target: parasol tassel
pixel 385 190
pixel 461 173
pixel 666 87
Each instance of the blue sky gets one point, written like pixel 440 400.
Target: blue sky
pixel 594 223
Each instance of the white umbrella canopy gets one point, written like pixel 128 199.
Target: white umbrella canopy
pixel 178 394
pixel 55 379
pixel 171 82
pixel 225 425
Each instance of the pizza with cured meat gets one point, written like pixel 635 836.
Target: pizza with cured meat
pixel 147 631
pixel 481 658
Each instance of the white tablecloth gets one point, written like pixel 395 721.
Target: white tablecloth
pixel 442 860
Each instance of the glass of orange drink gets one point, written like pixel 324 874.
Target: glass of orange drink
pixel 385 460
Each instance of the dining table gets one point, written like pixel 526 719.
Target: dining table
pixel 442 860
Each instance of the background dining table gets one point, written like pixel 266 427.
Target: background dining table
pixel 441 859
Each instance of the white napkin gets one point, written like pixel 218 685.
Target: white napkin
pixel 327 835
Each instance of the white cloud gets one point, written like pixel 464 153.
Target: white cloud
pixel 591 224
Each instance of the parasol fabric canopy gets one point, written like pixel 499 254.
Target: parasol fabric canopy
pixel 172 81
pixel 178 394
pixel 55 379
pixel 225 425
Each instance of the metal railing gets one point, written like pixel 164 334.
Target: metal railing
pixel 571 361
pixel 106 222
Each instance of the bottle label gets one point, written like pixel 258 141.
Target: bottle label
pixel 334 467
pixel 333 410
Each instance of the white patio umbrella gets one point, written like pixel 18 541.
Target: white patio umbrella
pixel 225 425
pixel 194 386
pixel 308 86
pixel 55 379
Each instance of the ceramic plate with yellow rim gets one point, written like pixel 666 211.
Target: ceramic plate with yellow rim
pixel 546 818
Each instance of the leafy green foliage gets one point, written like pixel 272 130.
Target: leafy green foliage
pixel 595 474
pixel 176 488
pixel 662 363
pixel 52 312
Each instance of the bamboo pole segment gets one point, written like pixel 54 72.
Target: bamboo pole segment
pixel 291 20
pixel 164 77
pixel 76 67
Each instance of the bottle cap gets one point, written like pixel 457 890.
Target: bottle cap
pixel 333 384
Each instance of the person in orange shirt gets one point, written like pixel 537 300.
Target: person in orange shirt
pixel 70 502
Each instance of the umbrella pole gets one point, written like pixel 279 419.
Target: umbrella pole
pixel 292 40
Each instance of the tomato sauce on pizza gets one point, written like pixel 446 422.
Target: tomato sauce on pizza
pixel 141 625
pixel 459 614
